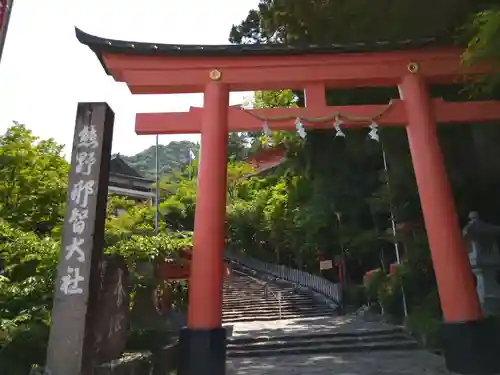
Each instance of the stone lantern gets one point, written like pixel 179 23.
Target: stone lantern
pixel 484 255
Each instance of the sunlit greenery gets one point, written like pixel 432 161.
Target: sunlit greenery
pixel 329 195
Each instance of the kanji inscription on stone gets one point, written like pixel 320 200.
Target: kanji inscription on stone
pixel 77 285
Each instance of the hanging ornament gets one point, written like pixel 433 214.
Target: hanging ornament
pixel 373 134
pixel 267 133
pixel 300 128
pixel 338 130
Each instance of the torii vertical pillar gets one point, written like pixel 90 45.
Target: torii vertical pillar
pixel 467 337
pixel 203 342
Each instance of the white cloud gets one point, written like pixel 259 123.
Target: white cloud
pixel 45 71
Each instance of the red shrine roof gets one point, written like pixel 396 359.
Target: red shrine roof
pixel 101 45
pixel 267 158
pixel 266 153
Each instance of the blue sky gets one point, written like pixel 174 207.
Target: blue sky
pixel 45 71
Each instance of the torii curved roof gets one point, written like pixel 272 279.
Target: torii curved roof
pixel 100 45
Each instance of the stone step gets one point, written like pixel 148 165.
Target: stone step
pixel 249 301
pixel 327 348
pixel 274 309
pixel 261 293
pixel 270 305
pixel 246 300
pixel 263 309
pixel 239 284
pixel 254 286
pixel 246 297
pixel 244 339
pixel 274 317
pixel 274 305
pixel 234 313
pixel 295 342
pixel 270 318
pixel 235 288
pixel 243 297
pixel 250 298
pixel 239 291
pixel 256 292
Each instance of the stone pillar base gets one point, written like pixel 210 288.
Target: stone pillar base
pixel 202 351
pixel 471 348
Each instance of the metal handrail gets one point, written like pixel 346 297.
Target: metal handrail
pixel 278 296
pixel 312 282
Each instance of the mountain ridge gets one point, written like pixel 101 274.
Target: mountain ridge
pixel 172 156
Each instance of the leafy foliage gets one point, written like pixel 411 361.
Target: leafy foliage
pixel 334 196
pixel 330 196
pixel 26 289
pixel 288 21
pixel 32 198
pixel 32 180
pixel 484 45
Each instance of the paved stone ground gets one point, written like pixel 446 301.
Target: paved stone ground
pixel 346 323
pixel 416 362
pixel 370 363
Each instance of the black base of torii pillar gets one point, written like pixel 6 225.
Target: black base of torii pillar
pixel 202 351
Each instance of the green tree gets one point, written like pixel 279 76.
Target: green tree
pixel 484 45
pixel 237 146
pixel 32 199
pixel 297 206
pixel 337 21
pixel 26 292
pixel 33 180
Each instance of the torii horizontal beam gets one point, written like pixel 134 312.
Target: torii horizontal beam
pixel 250 120
pixel 160 75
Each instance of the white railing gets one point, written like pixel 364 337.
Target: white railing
pixel 312 282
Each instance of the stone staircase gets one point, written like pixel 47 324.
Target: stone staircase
pixel 301 326
pixel 267 346
pixel 246 299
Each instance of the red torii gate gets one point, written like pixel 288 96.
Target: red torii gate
pixel 150 68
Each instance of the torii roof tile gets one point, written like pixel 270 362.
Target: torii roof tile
pixel 104 45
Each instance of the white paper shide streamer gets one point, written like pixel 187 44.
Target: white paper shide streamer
pixel 301 131
pixel 300 128
pixel 373 134
pixel 338 130
pixel 267 132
